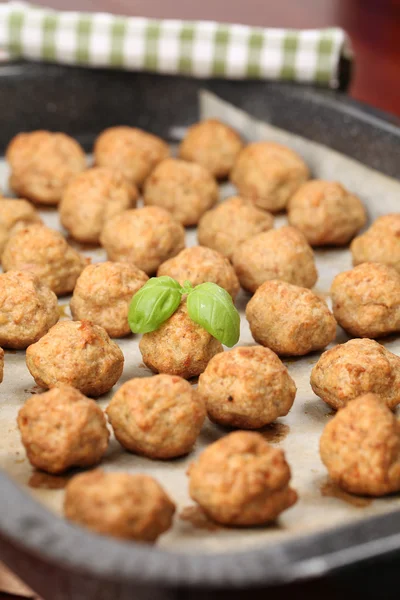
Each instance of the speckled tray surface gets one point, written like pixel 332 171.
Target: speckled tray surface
pixel 193 541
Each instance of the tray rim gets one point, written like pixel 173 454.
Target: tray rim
pixel 50 537
pixel 30 526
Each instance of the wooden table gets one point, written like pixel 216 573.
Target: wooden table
pixel 373 26
pixel 12 588
pixel 374 29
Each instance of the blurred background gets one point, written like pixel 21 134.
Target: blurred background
pixel 373 26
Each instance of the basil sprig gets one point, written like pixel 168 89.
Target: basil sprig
pixel 208 305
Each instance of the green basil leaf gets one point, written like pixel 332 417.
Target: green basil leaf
pixel 153 304
pixel 212 307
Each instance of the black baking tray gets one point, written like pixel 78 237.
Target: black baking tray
pixel 61 561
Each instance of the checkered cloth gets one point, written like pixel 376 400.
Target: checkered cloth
pixel 197 48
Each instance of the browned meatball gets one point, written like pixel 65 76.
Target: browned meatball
pixel 76 353
pixel 380 243
pixel 242 480
pixel 13 215
pixel 199 265
pixel 179 346
pixel 277 254
pixel 145 237
pixel 355 368
pixel 230 223
pixel 268 174
pixel 366 300
pixel 290 320
pixel 61 429
pixel 185 189
pixel 159 417
pixel 246 387
pixel 42 164
pixel 326 213
pixel 103 293
pixel 213 145
pixel 131 151
pixel 132 507
pixel 45 253
pixel 28 308
pixel 91 199
pixel 360 447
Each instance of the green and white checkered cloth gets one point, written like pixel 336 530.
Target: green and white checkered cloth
pixel 197 48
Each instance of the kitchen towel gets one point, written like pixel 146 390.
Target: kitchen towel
pixel 194 48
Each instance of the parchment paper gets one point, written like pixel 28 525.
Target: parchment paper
pixel 320 505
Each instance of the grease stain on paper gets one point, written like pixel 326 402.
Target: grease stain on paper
pixel 275 432
pixel 196 516
pixel 45 481
pixel 331 490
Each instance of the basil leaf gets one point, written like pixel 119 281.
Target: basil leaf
pixel 212 307
pixel 153 304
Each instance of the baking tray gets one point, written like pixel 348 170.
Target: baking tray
pixel 48 552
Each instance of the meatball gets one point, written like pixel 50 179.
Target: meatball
pixel 1 364
pixel 145 237
pixel 131 151
pixel 76 353
pixel 326 213
pixel 132 507
pixel 229 224
pixel 179 347
pixel 290 320
pixel 241 480
pixel 103 294
pixel 15 214
pixel 186 190
pixel 360 447
pixel 277 254
pixel 246 388
pixel 366 300
pixel 61 429
pixel 45 253
pixel 28 308
pixel 42 163
pixel 92 199
pixel 199 265
pixel 158 417
pixel 355 368
pixel 213 145
pixel 268 174
pixel 380 243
